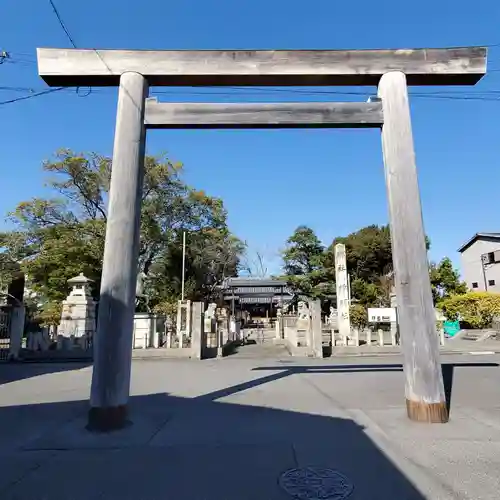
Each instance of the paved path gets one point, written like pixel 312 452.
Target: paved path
pixel 259 344
pixel 228 429
pixel 261 351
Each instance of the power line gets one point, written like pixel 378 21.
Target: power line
pixel 23 54
pixel 68 34
pixel 23 98
pixel 17 89
pixel 61 22
pixel 491 98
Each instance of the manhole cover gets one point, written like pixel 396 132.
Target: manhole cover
pixel 316 483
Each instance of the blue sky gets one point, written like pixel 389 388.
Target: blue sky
pixel 270 181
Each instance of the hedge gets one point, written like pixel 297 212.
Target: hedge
pixel 476 309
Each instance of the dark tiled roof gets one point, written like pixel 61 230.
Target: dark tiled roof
pixel 252 282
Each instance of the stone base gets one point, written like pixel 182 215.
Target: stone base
pixel 430 413
pixel 107 419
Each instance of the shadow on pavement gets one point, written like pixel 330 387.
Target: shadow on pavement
pixel 447 370
pixel 10 372
pixel 202 448
pixel 193 449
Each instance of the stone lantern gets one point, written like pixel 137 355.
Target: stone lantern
pixel 78 318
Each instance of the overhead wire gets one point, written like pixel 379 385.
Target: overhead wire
pixel 479 95
pixel 61 22
pixel 23 98
pixel 492 96
pixel 71 39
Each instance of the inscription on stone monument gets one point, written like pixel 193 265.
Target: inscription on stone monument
pixel 344 323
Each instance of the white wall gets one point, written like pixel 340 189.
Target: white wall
pixel 472 270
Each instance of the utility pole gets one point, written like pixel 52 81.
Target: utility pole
pixel 183 262
pixel 483 267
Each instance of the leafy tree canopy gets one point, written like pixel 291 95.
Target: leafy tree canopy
pixel 445 280
pixel 310 268
pixel 57 238
pixel 303 260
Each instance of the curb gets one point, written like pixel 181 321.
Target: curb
pixel 378 354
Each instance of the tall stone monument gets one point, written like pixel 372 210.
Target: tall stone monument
pixel 344 322
pixel 78 319
pixel 183 321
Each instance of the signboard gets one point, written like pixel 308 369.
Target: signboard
pixel 381 315
pixel 344 322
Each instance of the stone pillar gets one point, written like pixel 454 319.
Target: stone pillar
pixel 223 325
pixel 113 341
pixel 183 326
pixel 441 336
pixel 197 329
pixel 356 337
pixel 394 324
pixel 154 340
pixel 278 326
pixel 344 322
pixel 17 320
pixel 380 337
pixel 316 329
pixel 143 330
pixel 425 396
pixel 225 332
pixel 393 337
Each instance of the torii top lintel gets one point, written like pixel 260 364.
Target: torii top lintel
pixel 441 66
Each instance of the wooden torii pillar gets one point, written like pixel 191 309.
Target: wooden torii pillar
pixel 391 70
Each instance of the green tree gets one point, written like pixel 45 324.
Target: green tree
pixel 366 294
pixel 303 264
pixel 368 253
pixel 369 263
pixel 57 238
pixel 8 268
pixel 445 280
pixel 358 315
pixel 304 252
pixel 211 255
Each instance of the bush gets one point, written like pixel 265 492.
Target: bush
pixel 477 309
pixel 359 316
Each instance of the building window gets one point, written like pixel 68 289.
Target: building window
pixel 475 285
pixel 491 282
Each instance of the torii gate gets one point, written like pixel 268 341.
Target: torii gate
pixel 134 71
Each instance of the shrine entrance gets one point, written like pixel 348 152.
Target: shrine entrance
pixel 391 70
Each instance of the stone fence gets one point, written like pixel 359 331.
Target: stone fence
pixel 310 336
pixel 194 333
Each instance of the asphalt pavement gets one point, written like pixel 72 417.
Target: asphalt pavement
pixel 243 428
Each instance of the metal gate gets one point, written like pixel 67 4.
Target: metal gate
pixel 5 316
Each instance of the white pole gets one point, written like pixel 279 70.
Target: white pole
pixel 349 288
pixel 183 262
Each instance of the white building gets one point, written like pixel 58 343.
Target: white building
pixel 480 258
